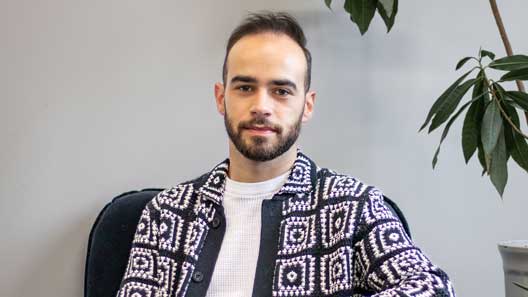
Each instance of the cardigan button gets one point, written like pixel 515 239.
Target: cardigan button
pixel 216 222
pixel 197 276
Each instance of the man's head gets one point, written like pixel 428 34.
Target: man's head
pixel 278 23
pixel 265 95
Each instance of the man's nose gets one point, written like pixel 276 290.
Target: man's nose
pixel 262 104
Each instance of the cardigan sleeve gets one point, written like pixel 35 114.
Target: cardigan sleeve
pixel 387 262
pixel 141 276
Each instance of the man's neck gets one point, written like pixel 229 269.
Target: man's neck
pixel 243 169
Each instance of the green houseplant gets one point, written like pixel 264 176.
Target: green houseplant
pixel 491 126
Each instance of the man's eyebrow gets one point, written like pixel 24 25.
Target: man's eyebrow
pixel 284 82
pixel 275 82
pixel 243 78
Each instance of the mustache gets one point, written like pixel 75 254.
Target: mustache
pixel 260 121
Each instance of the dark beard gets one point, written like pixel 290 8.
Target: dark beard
pixel 257 150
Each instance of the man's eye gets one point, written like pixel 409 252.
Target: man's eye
pixel 245 88
pixel 282 92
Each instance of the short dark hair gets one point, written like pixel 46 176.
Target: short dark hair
pixel 274 22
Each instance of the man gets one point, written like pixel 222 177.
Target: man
pixel 267 221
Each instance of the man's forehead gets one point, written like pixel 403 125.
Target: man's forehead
pixel 275 54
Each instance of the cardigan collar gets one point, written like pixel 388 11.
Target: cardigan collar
pixel 302 179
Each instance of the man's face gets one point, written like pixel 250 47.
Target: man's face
pixel 264 101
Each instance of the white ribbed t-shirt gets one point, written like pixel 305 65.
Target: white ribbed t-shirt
pixel 234 271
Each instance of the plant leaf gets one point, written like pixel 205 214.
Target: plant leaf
pixel 512 103
pixel 508 129
pixel 448 125
pixel 519 151
pixel 361 12
pixel 328 4
pixel 482 159
pixel 470 130
pixel 501 93
pixel 515 143
pixel 440 101
pixel 510 113
pixel 520 98
pixel 491 127
pixel 498 167
pixel 387 5
pixel 485 53
pixel 521 286
pixel 388 9
pixel 473 120
pixel 517 74
pixel 462 62
pixel 510 63
pixel 451 103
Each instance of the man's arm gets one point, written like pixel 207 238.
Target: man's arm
pixel 141 275
pixel 386 261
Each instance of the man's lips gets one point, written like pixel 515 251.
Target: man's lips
pixel 262 130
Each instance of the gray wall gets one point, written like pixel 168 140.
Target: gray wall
pixel 101 97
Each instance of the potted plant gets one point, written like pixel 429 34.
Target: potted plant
pixel 491 126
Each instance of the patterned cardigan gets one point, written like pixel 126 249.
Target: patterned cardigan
pixel 323 234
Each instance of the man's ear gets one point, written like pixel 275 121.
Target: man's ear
pixel 308 106
pixel 219 97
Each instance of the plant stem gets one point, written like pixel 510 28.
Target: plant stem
pixel 506 43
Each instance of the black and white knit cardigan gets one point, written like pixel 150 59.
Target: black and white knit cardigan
pixel 323 234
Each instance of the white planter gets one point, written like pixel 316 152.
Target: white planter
pixel 514 255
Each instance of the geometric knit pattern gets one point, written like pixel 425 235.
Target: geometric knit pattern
pixel 336 238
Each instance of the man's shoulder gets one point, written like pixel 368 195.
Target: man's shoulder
pixel 335 185
pixel 179 195
pixel 193 183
